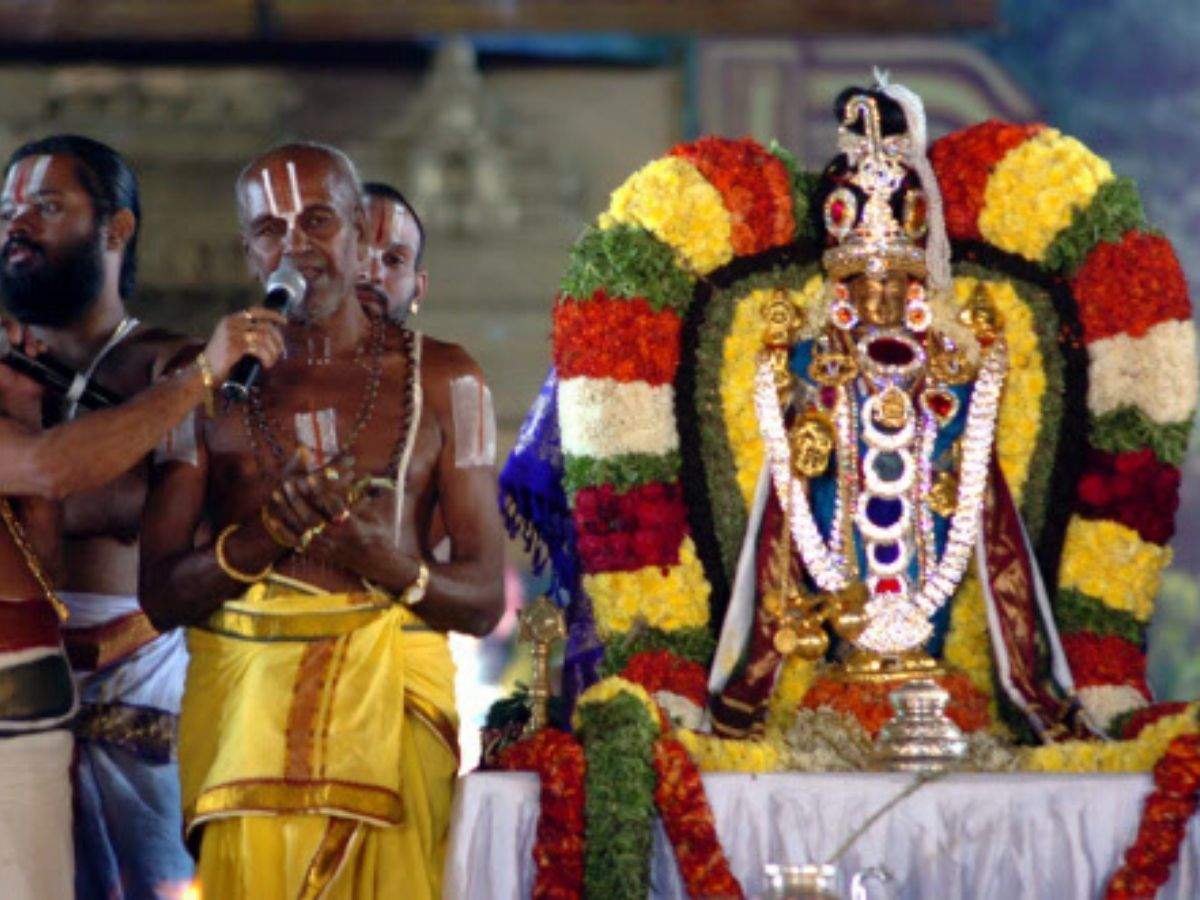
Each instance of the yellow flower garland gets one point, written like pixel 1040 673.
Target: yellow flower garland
pixel 714 754
pixel 669 598
pixel 674 202
pixel 1020 416
pixel 1138 755
pixel 1035 188
pixel 1108 561
pixel 968 646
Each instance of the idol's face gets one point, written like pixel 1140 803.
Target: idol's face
pixel 51 261
pixel 306 209
pixel 880 301
pixel 389 281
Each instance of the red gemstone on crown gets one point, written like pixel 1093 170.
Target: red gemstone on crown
pixel 828 397
pixel 837 211
pixel 888 586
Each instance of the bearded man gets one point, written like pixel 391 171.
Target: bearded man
pixel 69 279
pixel 318 734
pixel 62 242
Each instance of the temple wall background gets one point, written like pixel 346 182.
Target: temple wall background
pixel 508 161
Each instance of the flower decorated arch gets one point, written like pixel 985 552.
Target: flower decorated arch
pixel 655 335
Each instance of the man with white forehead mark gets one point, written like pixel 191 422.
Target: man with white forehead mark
pixel 320 688
pixel 68 224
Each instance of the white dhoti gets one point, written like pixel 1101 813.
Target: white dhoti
pixel 36 854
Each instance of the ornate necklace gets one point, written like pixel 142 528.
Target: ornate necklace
pixel 894 504
pixel 259 424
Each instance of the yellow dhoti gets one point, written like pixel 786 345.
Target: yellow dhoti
pixel 318 748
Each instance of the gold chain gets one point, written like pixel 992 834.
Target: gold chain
pixel 17 530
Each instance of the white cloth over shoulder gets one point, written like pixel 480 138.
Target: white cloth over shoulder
pixel 966 836
pixel 37 860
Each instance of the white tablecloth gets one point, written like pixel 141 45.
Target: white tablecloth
pixel 970 836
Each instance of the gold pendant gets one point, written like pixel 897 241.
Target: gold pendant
pixel 892 409
pixel 832 369
pixel 943 495
pixel 811 442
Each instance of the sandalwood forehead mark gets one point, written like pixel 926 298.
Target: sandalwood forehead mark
pixel 25 178
pixel 289 191
pixel 389 222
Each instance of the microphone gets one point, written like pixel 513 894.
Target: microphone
pixel 55 375
pixel 285 287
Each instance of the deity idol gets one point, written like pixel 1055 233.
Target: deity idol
pixel 878 411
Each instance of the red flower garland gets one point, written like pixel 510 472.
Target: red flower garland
pixel 558 760
pixel 625 340
pixel 963 162
pixel 1105 660
pixel 755 186
pixel 1164 822
pixel 624 531
pixel 1134 488
pixel 661 670
pixel 868 702
pixel 688 821
pixel 1129 287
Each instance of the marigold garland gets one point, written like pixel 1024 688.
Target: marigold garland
pixel 558 760
pixel 625 340
pixel 1108 561
pixel 1138 755
pixel 1034 191
pixel 754 185
pixel 1105 659
pixel 661 670
pixel 689 824
pixel 1127 287
pixel 963 162
pixel 1165 817
pixel 868 702
pixel 674 202
pixel 668 598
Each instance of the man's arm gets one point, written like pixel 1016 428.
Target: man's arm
pixel 465 594
pixel 92 451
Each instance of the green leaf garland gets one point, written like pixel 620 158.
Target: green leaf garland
pixel 626 261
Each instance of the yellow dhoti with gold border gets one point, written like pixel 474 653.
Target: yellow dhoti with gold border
pixel 318 748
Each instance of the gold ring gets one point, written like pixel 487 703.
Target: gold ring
pixel 331 474
pixel 308 537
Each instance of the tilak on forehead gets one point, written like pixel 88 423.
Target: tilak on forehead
pixel 280 181
pixel 25 178
pixel 388 221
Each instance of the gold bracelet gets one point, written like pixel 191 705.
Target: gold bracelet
pixel 415 592
pixel 271 525
pixel 229 570
pixel 210 384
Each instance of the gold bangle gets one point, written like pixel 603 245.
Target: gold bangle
pixel 229 570
pixel 210 384
pixel 271 525
pixel 415 592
